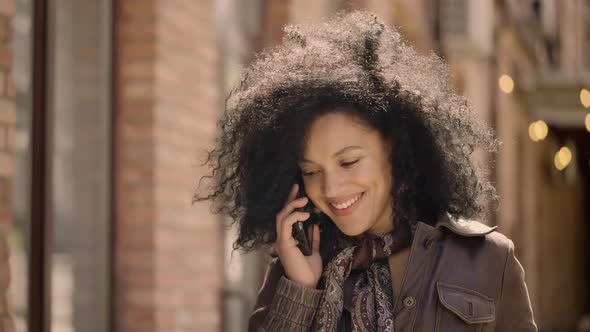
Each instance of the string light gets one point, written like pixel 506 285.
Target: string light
pixel 506 83
pixel 538 130
pixel 585 98
pixel 587 121
pixel 562 158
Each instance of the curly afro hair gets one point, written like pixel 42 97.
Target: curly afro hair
pixel 356 62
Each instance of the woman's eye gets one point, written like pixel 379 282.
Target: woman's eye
pixel 308 173
pixel 348 164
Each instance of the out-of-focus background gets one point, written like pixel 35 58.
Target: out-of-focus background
pixel 106 108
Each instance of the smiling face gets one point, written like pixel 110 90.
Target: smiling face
pixel 347 174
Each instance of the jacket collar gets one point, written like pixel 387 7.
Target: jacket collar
pixel 464 227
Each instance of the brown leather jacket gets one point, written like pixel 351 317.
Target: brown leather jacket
pixel 461 276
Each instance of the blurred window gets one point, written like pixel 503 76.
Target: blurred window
pixel 79 160
pixel 20 230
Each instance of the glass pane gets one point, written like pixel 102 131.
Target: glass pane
pixel 19 233
pixel 79 202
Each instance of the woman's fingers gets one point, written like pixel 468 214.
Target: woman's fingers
pixel 281 213
pixel 287 226
pixel 286 215
pixel 297 203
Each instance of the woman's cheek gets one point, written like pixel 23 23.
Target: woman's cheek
pixel 362 173
pixel 312 190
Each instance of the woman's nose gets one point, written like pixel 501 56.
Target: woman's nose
pixel 332 185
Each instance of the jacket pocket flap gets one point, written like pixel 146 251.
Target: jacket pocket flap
pixel 471 306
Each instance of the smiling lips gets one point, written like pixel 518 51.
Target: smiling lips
pixel 346 207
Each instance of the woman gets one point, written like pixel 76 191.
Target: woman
pixel 381 145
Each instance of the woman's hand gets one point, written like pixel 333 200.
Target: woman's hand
pixel 305 270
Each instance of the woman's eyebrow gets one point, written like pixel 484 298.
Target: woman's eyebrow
pixel 339 152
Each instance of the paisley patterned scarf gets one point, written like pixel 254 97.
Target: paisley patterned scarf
pixel 358 279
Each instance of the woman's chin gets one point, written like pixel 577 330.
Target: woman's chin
pixel 351 231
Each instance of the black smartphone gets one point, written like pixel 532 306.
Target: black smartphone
pixel 299 228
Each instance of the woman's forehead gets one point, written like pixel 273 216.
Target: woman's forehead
pixel 336 132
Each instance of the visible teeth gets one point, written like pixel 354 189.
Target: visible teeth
pixel 346 204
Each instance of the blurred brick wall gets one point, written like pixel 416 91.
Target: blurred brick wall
pixel 7 131
pixel 7 112
pixel 168 254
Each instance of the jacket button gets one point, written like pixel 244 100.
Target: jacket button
pixel 428 243
pixel 409 302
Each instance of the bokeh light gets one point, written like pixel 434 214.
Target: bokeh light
pixel 506 83
pixel 562 158
pixel 538 130
pixel 585 98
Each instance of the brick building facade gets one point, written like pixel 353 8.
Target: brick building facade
pixel 131 98
pixel 168 268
